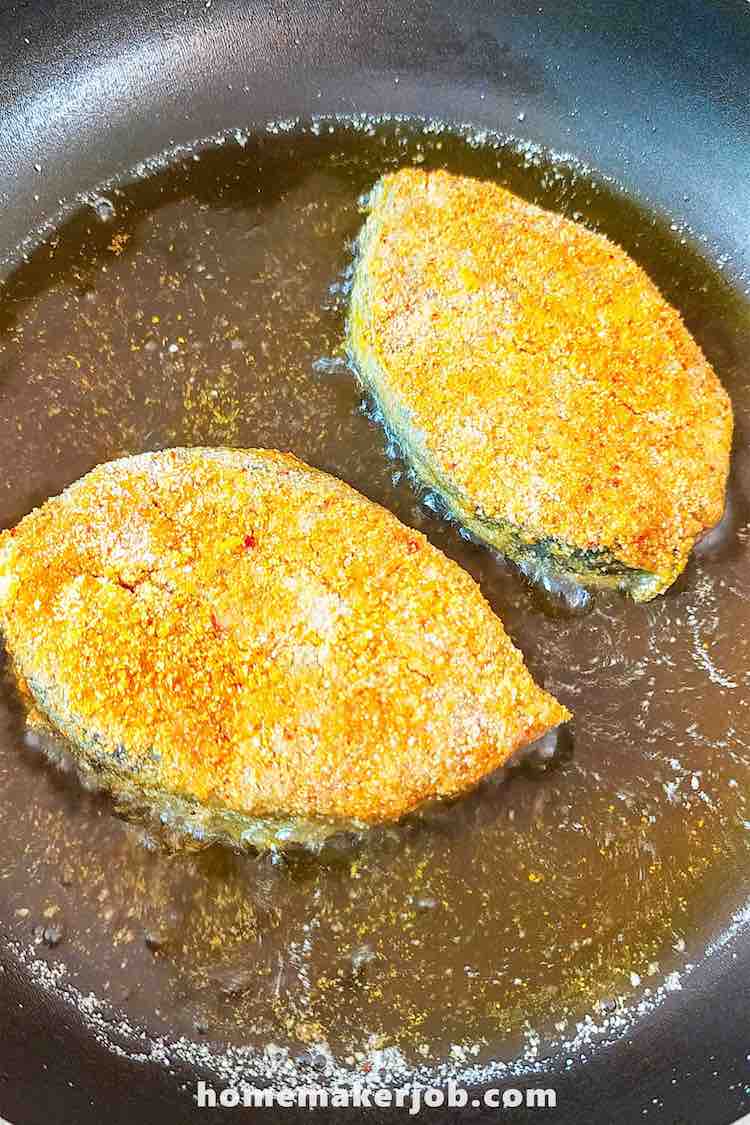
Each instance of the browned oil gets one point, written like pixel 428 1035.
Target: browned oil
pixel 205 304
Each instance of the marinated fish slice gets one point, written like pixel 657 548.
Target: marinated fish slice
pixel 240 633
pixel 535 377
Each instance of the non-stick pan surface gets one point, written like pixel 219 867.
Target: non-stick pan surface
pixel 654 98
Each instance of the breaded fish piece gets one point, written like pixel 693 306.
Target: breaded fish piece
pixel 249 635
pixel 536 378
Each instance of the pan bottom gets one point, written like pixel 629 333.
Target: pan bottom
pixel 203 302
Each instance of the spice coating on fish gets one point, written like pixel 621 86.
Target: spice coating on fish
pixel 242 631
pixel 536 378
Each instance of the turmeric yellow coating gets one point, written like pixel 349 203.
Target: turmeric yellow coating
pixel 237 628
pixel 536 377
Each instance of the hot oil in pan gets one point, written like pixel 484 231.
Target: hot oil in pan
pixel 205 304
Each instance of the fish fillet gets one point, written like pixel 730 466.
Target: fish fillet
pixel 239 631
pixel 538 381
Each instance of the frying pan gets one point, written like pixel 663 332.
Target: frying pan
pixel 655 95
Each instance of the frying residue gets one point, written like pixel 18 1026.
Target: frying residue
pixel 205 303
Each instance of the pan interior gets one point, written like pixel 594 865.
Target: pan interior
pixel 204 303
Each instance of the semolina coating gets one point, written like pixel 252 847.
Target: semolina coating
pixel 249 634
pixel 536 378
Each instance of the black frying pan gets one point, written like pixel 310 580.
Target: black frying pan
pixel 653 95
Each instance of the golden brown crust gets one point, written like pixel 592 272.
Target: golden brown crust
pixel 539 373
pixel 241 628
